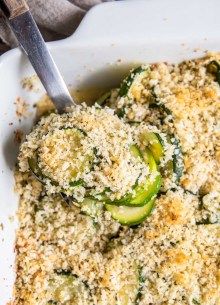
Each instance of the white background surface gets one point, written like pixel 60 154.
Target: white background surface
pixel 112 34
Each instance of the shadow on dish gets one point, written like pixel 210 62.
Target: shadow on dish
pixel 99 82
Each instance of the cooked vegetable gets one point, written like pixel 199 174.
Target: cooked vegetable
pixel 177 159
pixel 214 68
pixel 130 216
pixel 105 195
pixel 156 103
pixel 135 151
pixel 102 100
pixel 76 183
pixel 129 287
pixel 126 283
pixel 51 147
pixel 140 288
pixel 152 185
pixel 143 192
pixel 91 207
pixel 153 142
pixel 33 164
pixel 67 289
pixel 121 112
pixel 48 166
pixel 174 166
pixel 128 84
pixel 195 302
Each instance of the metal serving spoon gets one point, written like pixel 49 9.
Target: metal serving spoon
pixel 31 41
pixel 33 44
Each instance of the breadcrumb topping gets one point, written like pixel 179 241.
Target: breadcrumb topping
pixel 173 257
pixel 89 144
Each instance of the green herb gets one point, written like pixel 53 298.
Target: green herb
pixel 76 183
pixel 141 279
pixel 195 302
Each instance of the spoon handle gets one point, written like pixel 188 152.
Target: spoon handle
pixel 30 39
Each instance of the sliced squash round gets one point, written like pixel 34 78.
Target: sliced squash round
pixel 130 216
pixel 102 100
pixel 91 207
pixel 152 185
pixel 129 83
pixel 67 289
pixel 61 156
pixel 143 192
pixel 154 143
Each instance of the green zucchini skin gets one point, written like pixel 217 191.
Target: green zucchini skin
pixel 177 165
pixel 76 183
pixel 91 207
pixel 177 160
pixel 205 222
pixel 141 281
pixel 145 191
pixel 124 200
pixel 126 86
pixel 127 82
pixel 156 103
pixel 151 186
pixel 153 141
pixel 214 68
pixel 102 100
pixel 195 302
pixel 33 164
pixel 66 288
pixel 130 216
pixel 174 166
pixel 38 172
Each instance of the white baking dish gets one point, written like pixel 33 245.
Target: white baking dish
pixel 112 34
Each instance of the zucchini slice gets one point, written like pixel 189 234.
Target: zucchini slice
pixel 145 192
pixel 128 292
pixel 91 207
pixel 130 216
pixel 153 142
pixel 214 68
pixel 104 197
pixel 34 167
pixel 50 163
pixel 135 151
pixel 128 84
pixel 123 277
pixel 67 289
pixel 174 166
pixel 102 100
